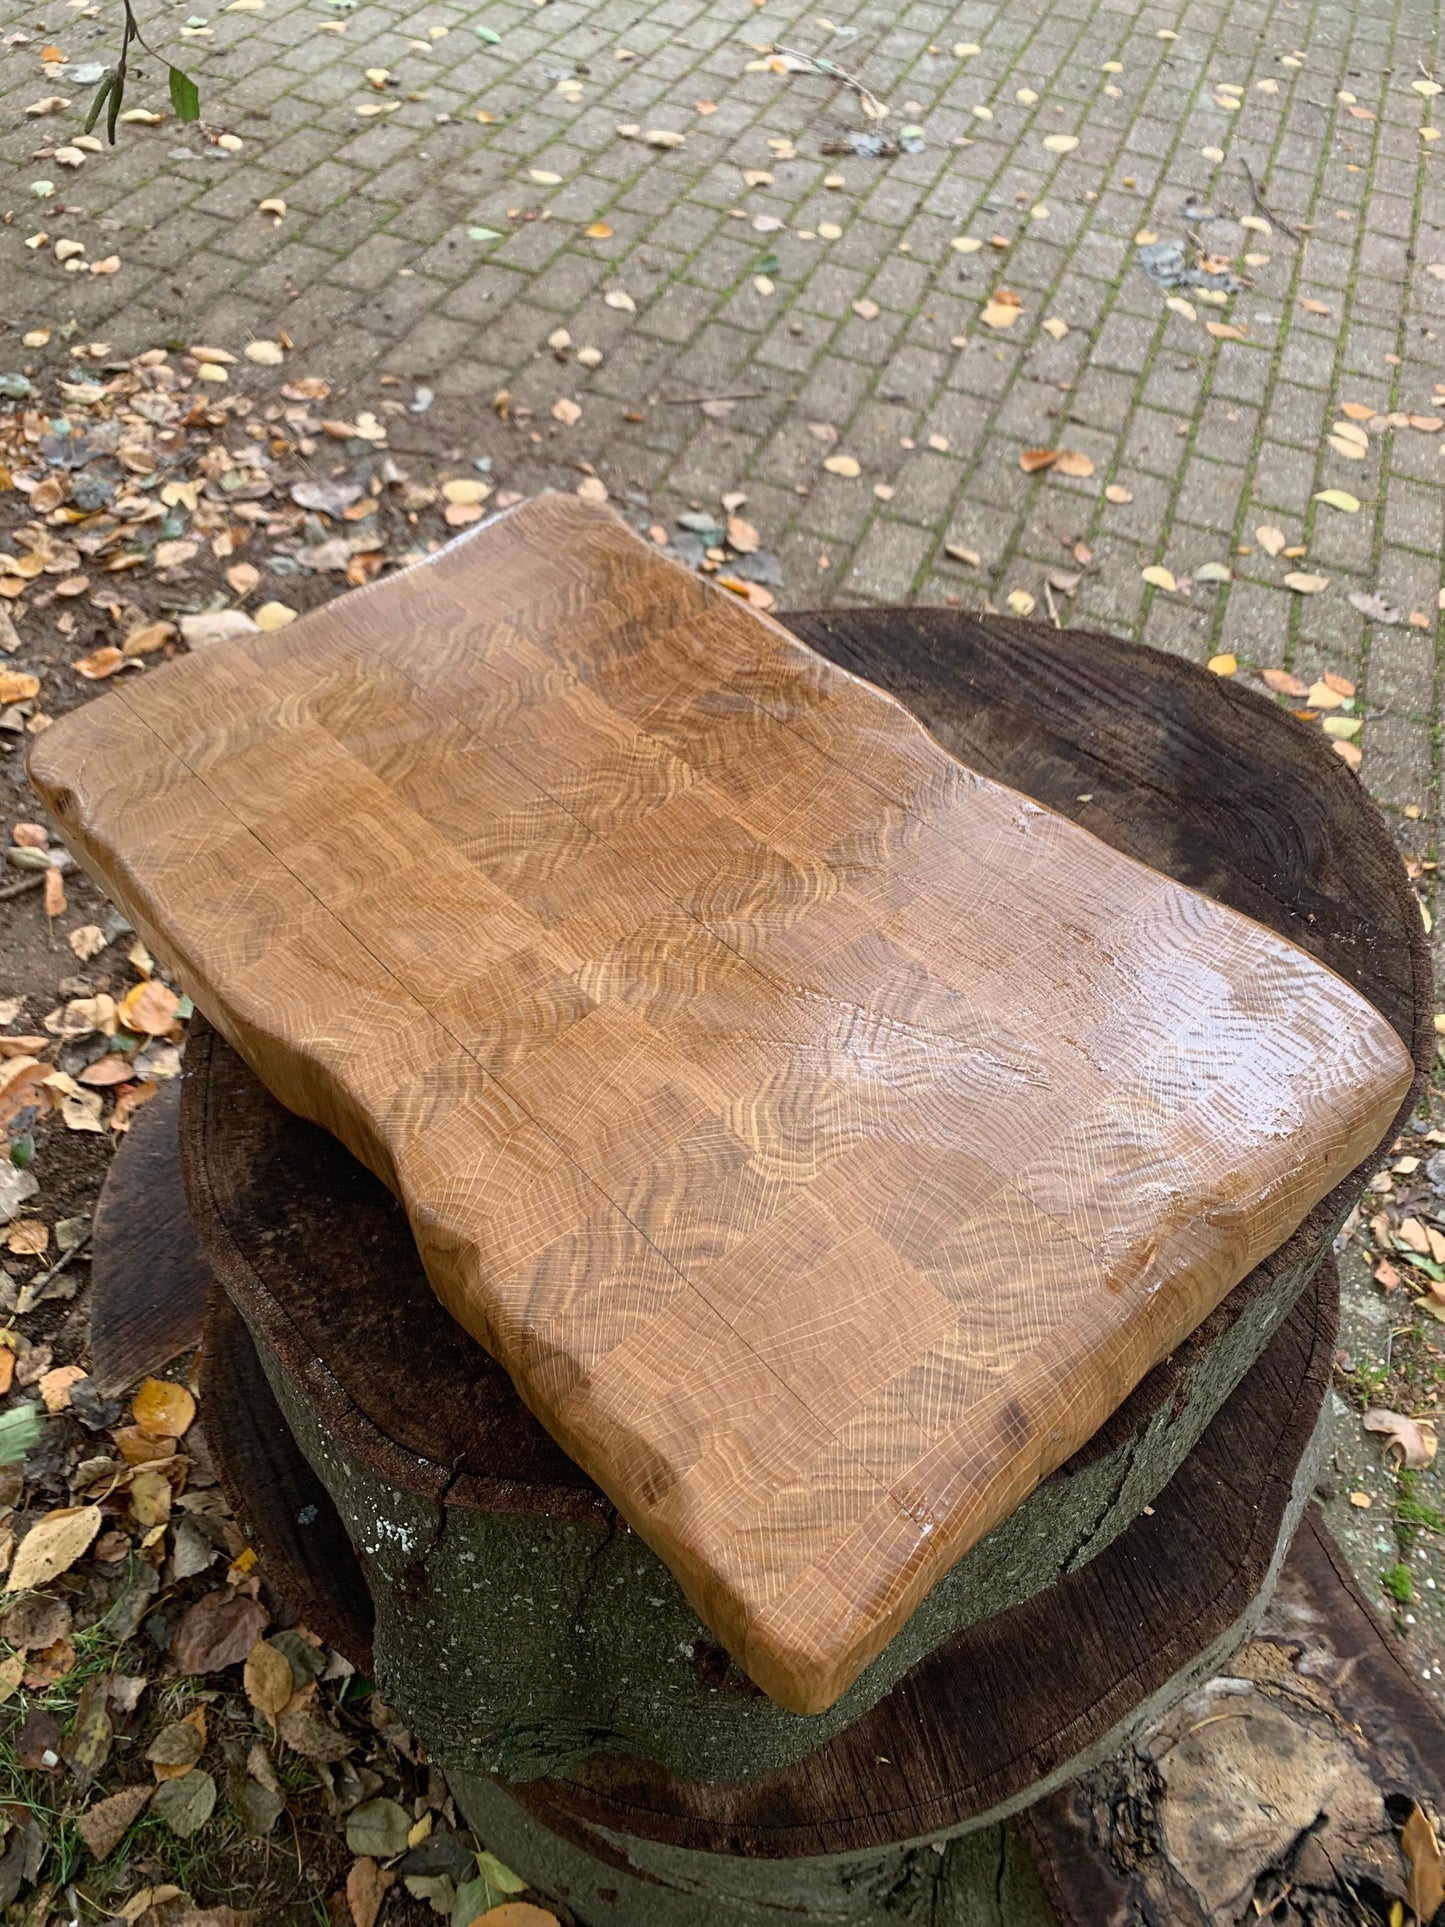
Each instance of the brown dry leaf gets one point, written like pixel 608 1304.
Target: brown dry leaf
pixel 151 636
pixel 103 1826
pixel 1002 309
pixel 1270 539
pixel 742 536
pixel 162 1409
pixel 566 411
pixel 1321 696
pixel 56 1385
pixel 1314 307
pixel 150 1007
pixel 1056 326
pixel 1224 331
pixel 1420 1845
pixel 1306 584
pixel 52 1546
pixel 268 1680
pixel 1072 461
pixel 100 664
pixel 1033 459
pixel 1414 1442
pixel 599 231
pixel 956 552
pixel 366 1886
pixel 1357 411
pixel 28 1238
pixel 218 1631
pixel 1341 685
pixel 1283 683
pixel 520 1913
pixel 17 687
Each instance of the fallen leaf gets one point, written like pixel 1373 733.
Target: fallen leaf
pixel 378 1828
pixel 151 636
pixel 1224 331
pixel 1337 498
pixel 598 231
pixel 186 1804
pixel 1033 459
pixel 564 410
pixel 1283 683
pixel 100 663
pixel 1117 493
pixel 163 1409
pixel 742 536
pixel 1061 143
pixel 1352 451
pixel 1182 307
pixel 103 1826
pixel 274 615
pixel 1056 326
pixel 865 309
pixel 956 552
pixel 1072 461
pixel 619 298
pixel 1224 665
pixel 218 1631
pixel 366 1888
pixel 1270 539
pixel 1021 602
pixel 1002 311
pixel 150 1007
pixel 1306 584
pixel 1425 1890
pixel 462 489
pixel 266 354
pixel 592 489
pixel 1414 1442
pixel 1160 577
pixel 52 1546
pixel 268 1680
pixel 1315 307
pixel 965 244
pixel 844 465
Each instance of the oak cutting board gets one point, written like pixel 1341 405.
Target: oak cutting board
pixel 824 1137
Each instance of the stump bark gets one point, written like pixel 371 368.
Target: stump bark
pixel 521 1623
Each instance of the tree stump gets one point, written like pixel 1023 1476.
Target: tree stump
pixel 517 1620
pixel 901 1817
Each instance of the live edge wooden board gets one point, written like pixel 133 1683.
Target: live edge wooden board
pixel 708 1017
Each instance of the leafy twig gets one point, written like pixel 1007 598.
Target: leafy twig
pixel 872 106
pixel 1259 206
pixel 110 91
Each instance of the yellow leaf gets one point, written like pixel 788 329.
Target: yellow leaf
pixel 463 489
pixel 1351 451
pixel 1160 577
pixel 965 244
pixel 52 1546
pixel 844 465
pixel 1306 584
pixel 163 1409
pixel 1061 143
pixel 1181 306
pixel 1000 314
pixel 1056 326
pixel 274 615
pixel 1337 498
pixel 599 231
pixel 1021 602
pixel 1223 665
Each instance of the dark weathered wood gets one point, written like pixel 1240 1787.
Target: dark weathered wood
pixel 268 1483
pixel 148 1280
pixel 1098 1844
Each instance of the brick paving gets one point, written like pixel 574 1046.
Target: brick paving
pixel 373 269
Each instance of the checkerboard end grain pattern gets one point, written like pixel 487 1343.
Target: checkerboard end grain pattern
pixel 825 1137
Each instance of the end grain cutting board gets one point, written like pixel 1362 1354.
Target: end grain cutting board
pixel 825 1137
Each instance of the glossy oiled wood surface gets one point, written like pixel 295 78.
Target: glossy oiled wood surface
pixel 825 1137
